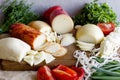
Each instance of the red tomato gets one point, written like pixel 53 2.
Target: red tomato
pixel 64 73
pixel 44 73
pixel 80 72
pixel 106 27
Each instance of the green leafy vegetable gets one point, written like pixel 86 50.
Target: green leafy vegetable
pixel 16 11
pixel 94 13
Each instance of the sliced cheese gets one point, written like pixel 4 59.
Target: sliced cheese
pixel 55 49
pixel 48 57
pixel 62 24
pixel 35 58
pixel 85 46
pixel 67 40
pixel 60 52
pixel 51 37
pixel 39 41
pixel 29 59
pixel 52 47
pixel 38 58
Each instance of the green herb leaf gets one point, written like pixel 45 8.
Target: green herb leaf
pixel 15 12
pixel 94 13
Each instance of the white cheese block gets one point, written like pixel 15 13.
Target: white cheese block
pixel 90 33
pixel 13 49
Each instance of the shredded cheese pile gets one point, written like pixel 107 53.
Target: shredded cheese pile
pixel 110 44
pixel 86 62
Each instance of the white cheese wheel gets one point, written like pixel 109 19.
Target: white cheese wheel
pixel 13 49
pixel 62 24
pixel 90 33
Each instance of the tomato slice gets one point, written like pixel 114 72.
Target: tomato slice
pixel 44 73
pixel 80 72
pixel 106 27
pixel 64 73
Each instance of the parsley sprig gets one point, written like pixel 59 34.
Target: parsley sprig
pixel 16 11
pixel 94 13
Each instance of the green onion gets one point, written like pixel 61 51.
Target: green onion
pixel 115 68
pixel 105 77
pixel 107 71
pixel 111 66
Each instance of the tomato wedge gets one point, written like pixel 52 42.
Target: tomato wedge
pixel 80 72
pixel 64 73
pixel 106 27
pixel 44 73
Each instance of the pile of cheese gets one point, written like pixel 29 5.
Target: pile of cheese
pixel 15 49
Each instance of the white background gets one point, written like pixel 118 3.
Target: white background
pixel 71 6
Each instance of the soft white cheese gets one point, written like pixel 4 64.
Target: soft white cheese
pixel 90 33
pixel 110 44
pixel 67 40
pixel 85 46
pixel 13 49
pixel 35 57
pixel 52 36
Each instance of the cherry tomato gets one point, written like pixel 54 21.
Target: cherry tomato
pixel 106 27
pixel 80 72
pixel 44 73
pixel 64 73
